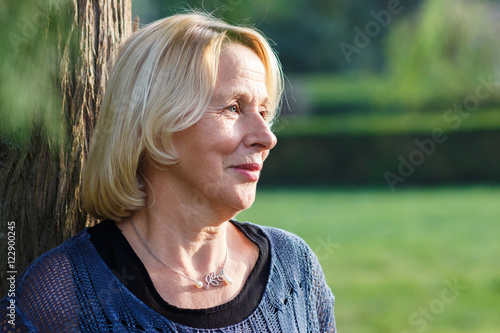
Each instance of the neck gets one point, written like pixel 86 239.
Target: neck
pixel 187 229
pixel 185 233
pixel 184 245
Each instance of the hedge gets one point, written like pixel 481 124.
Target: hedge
pixel 392 160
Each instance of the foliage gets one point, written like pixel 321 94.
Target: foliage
pixel 375 157
pixel 374 123
pixel 436 57
pixel 29 96
pixel 307 33
pixel 338 94
pixel 387 255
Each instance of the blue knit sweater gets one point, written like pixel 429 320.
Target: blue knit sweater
pixel 70 289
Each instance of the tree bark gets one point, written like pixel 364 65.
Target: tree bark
pixel 40 183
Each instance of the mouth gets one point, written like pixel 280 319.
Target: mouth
pixel 251 171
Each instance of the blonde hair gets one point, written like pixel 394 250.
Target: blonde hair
pixel 162 82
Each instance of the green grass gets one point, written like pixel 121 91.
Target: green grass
pixel 386 256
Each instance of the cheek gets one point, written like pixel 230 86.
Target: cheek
pixel 209 144
pixel 223 141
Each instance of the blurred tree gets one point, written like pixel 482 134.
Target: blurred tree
pixel 307 33
pixel 437 57
pixel 55 60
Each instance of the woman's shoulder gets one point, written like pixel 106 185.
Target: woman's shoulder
pixel 55 269
pixel 298 263
pixel 54 266
pixel 288 250
pixel 281 239
pixel 60 254
pixel 46 292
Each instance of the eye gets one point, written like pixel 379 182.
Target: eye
pixel 235 108
pixel 263 113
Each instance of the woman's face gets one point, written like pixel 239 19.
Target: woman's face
pixel 221 156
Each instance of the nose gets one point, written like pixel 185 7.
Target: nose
pixel 259 134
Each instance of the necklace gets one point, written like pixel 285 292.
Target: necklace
pixel 211 278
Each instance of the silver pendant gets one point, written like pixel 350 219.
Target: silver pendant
pixel 213 279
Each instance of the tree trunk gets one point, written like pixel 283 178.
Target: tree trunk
pixel 40 183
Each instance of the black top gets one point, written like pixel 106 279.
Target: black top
pixel 121 259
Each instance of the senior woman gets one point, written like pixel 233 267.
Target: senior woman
pixel 176 154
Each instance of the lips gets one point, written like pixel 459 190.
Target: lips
pixel 251 171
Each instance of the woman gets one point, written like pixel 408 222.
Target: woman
pixel 177 153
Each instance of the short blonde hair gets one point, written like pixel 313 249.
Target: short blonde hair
pixel 162 82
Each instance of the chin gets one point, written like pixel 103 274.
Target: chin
pixel 243 204
pixel 244 200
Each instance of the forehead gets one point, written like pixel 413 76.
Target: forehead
pixel 237 55
pixel 240 70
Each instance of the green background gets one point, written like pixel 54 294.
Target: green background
pixel 346 121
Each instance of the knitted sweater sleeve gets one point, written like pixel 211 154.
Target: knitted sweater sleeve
pixel 301 265
pixel 44 298
pixel 322 294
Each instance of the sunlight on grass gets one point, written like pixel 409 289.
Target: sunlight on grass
pixel 388 256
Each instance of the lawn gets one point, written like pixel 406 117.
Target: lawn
pixel 420 260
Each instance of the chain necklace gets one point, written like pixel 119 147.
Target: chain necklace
pixel 211 278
